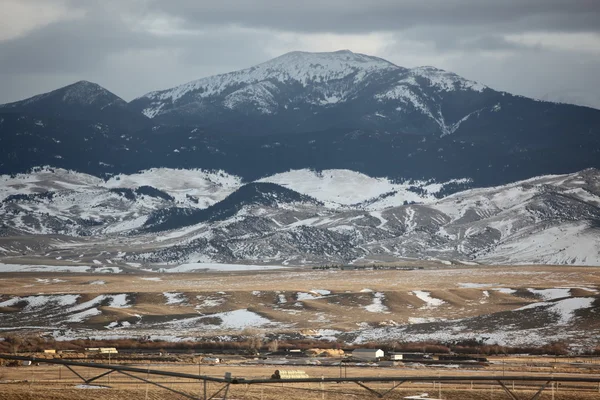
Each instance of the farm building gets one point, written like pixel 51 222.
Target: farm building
pixel 409 356
pixel 368 354
pixel 102 350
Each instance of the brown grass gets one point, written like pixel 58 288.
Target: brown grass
pixel 43 383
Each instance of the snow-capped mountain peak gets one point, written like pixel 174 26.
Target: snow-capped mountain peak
pixel 80 101
pixel 298 86
pixel 316 78
pixel 82 93
pixel 305 67
pixel 299 66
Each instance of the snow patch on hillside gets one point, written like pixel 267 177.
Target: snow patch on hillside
pixel 446 81
pixel 430 302
pixel 377 306
pixel 208 187
pixel 346 187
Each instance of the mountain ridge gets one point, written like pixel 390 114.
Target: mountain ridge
pixel 316 111
pixel 295 89
pixel 151 220
pixel 79 101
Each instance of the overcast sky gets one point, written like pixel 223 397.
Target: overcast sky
pixel 528 47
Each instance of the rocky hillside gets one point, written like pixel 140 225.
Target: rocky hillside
pixel 151 220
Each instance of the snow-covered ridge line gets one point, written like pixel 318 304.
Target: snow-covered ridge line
pixel 339 186
pixel 348 187
pixel 320 79
pixel 549 219
pixel 298 66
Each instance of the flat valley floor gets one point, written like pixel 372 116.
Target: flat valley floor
pixel 54 382
pixel 505 305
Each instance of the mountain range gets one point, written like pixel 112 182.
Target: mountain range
pixel 164 217
pixel 305 110
pixel 306 158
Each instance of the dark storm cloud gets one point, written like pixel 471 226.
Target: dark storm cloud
pixel 135 46
pixel 360 16
pixel 68 46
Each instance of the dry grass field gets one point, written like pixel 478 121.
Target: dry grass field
pixel 55 382
pixel 543 303
pixel 356 306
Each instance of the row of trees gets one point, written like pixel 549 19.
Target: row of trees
pixel 251 340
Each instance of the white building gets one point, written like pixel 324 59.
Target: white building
pixel 368 354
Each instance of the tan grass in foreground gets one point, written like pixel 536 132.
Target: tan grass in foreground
pixel 44 383
pixel 443 278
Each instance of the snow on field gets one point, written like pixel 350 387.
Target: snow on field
pixel 504 290
pixel 88 304
pixel 281 299
pixel 97 283
pixel 229 320
pixel 43 268
pixel 209 302
pixel 153 279
pixel 551 294
pixel 49 281
pixel 366 290
pixel 174 298
pixel 326 334
pixel 431 302
pixel 501 335
pixel 312 294
pixel 302 296
pixel 108 270
pixel 565 308
pixel 118 301
pixel 377 306
pixel 218 267
pixel 114 301
pixel 240 319
pixel 476 285
pixel 422 320
pixel 90 387
pixel 83 315
pixel 35 302
pixel 422 396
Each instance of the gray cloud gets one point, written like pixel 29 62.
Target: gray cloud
pixel 361 16
pixel 131 47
